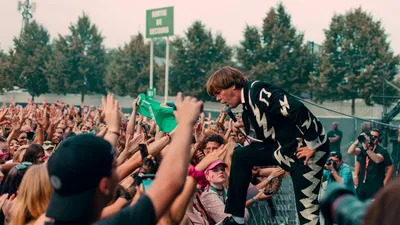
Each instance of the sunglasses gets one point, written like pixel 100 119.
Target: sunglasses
pixel 23 165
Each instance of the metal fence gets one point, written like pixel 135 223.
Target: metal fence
pixel 285 206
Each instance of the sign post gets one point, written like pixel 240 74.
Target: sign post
pixel 159 23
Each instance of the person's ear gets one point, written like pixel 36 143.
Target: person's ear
pixel 105 186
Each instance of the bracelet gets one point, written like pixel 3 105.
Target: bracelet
pixel 270 177
pixel 114 132
pixel 198 176
pixel 254 200
pixel 127 196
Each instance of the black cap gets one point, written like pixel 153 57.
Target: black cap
pixel 75 171
pixel 337 155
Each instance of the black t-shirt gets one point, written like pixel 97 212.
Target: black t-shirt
pixel 376 171
pixel 335 146
pixel 142 213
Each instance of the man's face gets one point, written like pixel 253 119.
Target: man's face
pixel 375 135
pixel 57 135
pixel 229 97
pixel 233 137
pixel 23 138
pixel 334 126
pixel 210 147
pixel 337 161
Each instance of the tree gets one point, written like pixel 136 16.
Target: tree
pixel 128 72
pixel 250 51
pixel 5 72
pixel 356 59
pixel 32 51
pixel 278 55
pixel 59 68
pixel 80 60
pixel 194 57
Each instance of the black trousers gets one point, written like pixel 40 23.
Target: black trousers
pixel 306 178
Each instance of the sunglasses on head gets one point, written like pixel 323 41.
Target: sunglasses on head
pixel 23 165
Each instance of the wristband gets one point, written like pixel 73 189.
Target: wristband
pixel 198 176
pixel 270 177
pixel 127 196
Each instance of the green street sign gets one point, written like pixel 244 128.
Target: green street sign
pixel 160 22
pixel 151 92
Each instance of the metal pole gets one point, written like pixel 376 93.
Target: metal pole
pixel 383 97
pixel 151 62
pixel 166 69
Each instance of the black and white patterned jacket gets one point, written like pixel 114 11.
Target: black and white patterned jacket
pixel 276 115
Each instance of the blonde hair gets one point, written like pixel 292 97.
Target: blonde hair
pixel 34 195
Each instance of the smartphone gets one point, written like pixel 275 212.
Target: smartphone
pixel 143 151
pixel 147 180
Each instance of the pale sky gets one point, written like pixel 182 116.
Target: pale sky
pixel 119 19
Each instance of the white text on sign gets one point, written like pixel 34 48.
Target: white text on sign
pixel 159 13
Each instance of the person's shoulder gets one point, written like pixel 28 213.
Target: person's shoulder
pixel 142 211
pixel 346 167
pixel 380 149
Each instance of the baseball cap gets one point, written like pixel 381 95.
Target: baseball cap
pixel 48 144
pixel 215 164
pixel 336 154
pixel 75 171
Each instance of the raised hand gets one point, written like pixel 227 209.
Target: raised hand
pixel 16 123
pixel 199 134
pixel 112 115
pixel 210 158
pixel 133 144
pixel 187 110
pixel 3 114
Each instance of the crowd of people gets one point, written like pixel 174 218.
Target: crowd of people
pixel 80 165
pixel 62 164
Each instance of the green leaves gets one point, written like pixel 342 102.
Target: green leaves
pixel 128 71
pixel 78 63
pixel 32 52
pixel 356 59
pixel 278 55
pixel 195 57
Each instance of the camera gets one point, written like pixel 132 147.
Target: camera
pixel 340 206
pixel 330 162
pixel 362 139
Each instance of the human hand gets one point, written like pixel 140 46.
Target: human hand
pixel 199 134
pixel 187 110
pixel 277 172
pixel 132 144
pixel 134 104
pixel 210 158
pixel 261 196
pixel 305 152
pixel 112 115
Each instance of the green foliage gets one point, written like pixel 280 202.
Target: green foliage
pixel 195 56
pixel 278 55
pixel 32 52
pixel 5 71
pixel 128 71
pixel 356 59
pixel 79 60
